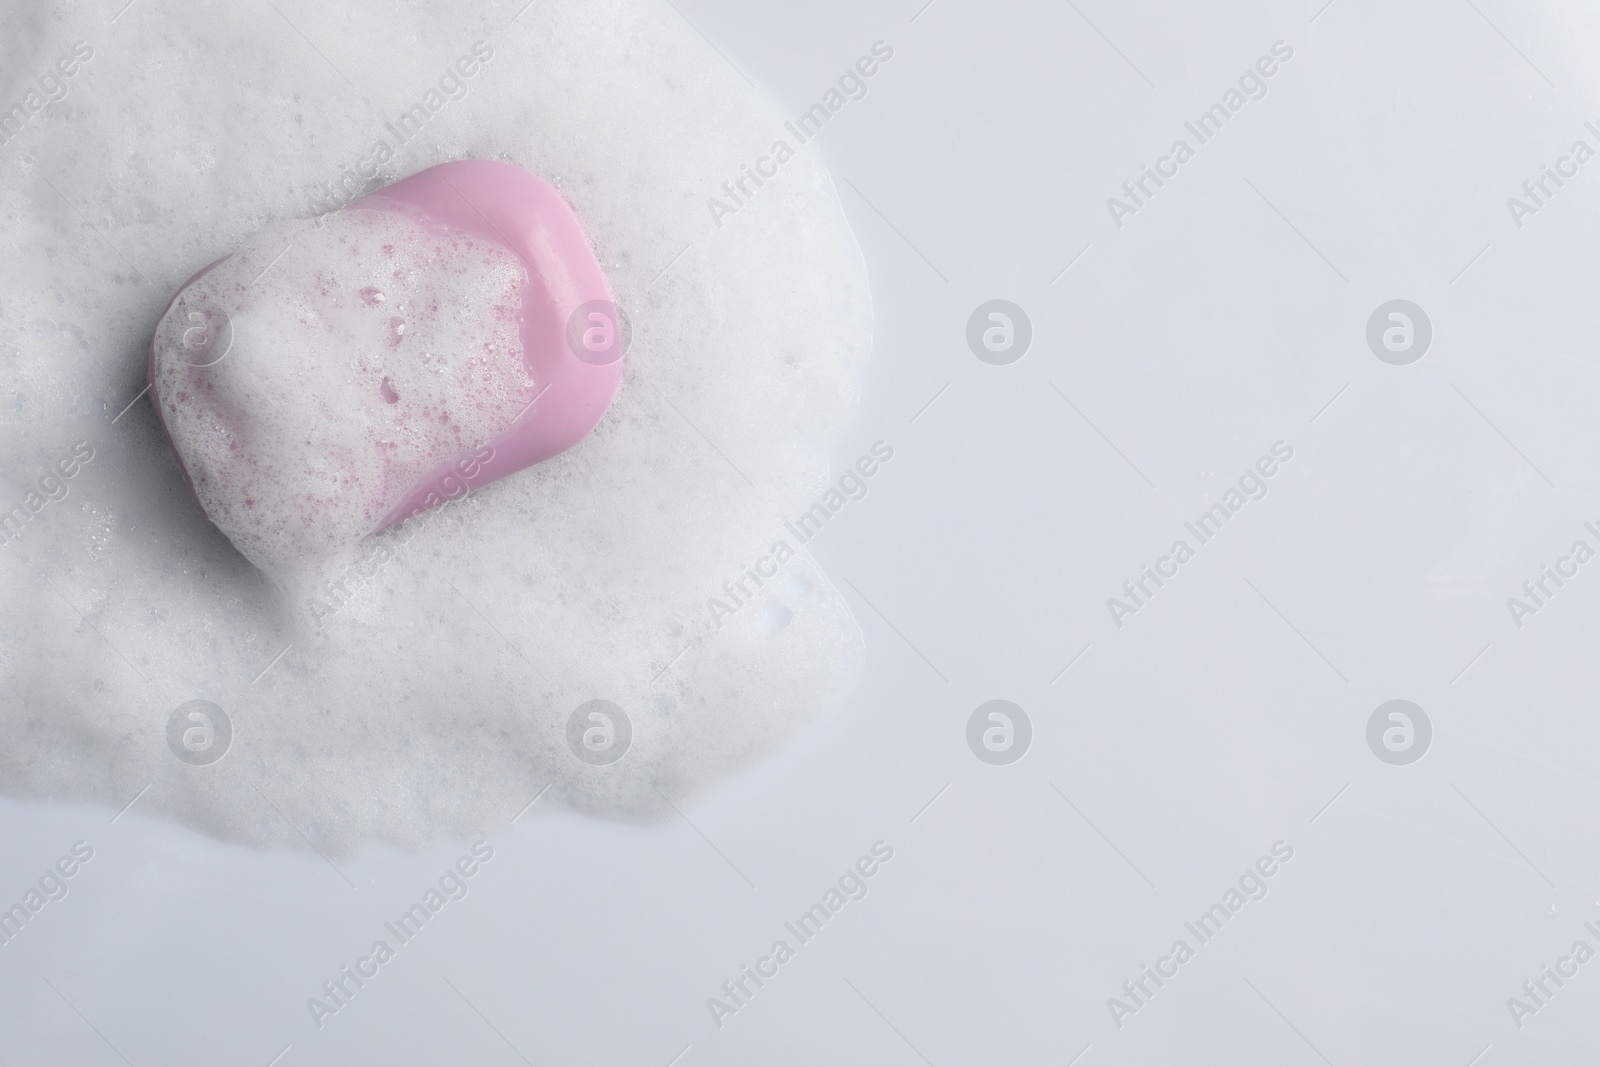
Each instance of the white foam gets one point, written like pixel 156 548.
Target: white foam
pixel 434 700
pixel 347 357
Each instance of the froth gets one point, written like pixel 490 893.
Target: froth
pixel 436 698
pixel 310 380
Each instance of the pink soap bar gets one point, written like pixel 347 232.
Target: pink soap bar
pixel 572 336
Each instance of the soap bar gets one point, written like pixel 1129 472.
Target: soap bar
pixel 336 376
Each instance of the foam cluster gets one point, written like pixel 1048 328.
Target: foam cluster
pixel 310 380
pixel 436 695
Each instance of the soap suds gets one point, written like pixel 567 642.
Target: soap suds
pixel 312 378
pixel 435 700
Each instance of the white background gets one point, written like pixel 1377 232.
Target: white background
pixel 1225 716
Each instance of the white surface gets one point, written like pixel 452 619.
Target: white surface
pixel 1224 717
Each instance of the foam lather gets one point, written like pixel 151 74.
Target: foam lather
pixel 340 375
pixel 421 682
